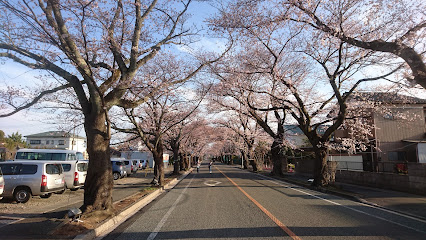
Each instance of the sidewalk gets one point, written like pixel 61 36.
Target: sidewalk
pixel 405 203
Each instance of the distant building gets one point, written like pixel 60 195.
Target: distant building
pixel 139 155
pixel 399 132
pixel 58 139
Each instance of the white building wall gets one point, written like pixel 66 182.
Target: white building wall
pixel 353 163
pixel 79 144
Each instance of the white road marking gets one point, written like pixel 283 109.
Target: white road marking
pixel 212 183
pixel 353 209
pixel 4 221
pixel 166 216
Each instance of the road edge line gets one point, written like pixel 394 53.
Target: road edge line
pixel 107 227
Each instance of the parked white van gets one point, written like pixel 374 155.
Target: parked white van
pixel 75 173
pixel 48 154
pixel 75 168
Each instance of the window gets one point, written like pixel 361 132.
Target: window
pixel 397 156
pixel 82 167
pixel 53 169
pixel 35 142
pixel 28 169
pixel 71 156
pixel 61 142
pixel 80 156
pixel 47 142
pixel 9 169
pixel 66 167
pixel 40 156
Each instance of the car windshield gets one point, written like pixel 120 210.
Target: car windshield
pixel 82 167
pixel 66 167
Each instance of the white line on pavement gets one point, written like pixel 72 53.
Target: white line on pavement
pixel 166 216
pixel 356 210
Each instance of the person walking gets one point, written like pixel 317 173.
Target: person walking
pixel 198 166
pixel 210 166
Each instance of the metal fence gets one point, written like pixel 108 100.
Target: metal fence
pixel 349 166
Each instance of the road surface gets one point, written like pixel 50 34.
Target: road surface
pixel 234 204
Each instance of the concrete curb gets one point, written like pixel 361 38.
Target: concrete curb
pixel 108 226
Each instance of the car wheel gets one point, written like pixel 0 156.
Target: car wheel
pixel 22 195
pixel 116 175
pixel 46 195
pixel 74 189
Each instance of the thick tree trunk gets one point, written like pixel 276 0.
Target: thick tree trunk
pixel 245 159
pixel 186 162
pixel 254 165
pixel 181 161
pixel 321 173
pixel 176 162
pixel 99 180
pixel 159 167
pixel 278 159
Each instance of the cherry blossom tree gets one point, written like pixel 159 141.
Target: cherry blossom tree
pixel 235 92
pixel 96 49
pixel 290 70
pixel 394 27
pixel 154 119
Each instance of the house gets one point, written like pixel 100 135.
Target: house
pixel 398 129
pixel 58 139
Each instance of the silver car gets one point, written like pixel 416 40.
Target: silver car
pixel 75 173
pixel 23 179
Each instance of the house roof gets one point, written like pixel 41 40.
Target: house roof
pixel 387 97
pixel 54 134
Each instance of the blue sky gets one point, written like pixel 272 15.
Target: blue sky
pixel 31 122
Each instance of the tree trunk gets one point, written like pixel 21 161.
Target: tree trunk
pixel 181 161
pixel 176 163
pixel 321 173
pixel 159 167
pixel 254 165
pixel 279 160
pixel 99 180
pixel 245 159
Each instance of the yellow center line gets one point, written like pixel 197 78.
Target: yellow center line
pixel 269 214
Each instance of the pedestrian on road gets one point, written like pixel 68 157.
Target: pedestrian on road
pixel 198 166
pixel 210 166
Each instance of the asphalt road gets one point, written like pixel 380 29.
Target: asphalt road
pixel 234 204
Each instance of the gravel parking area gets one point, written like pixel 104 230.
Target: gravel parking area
pixel 38 205
pixel 69 199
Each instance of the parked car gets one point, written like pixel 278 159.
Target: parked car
pixel 143 164
pixel 1 184
pixel 23 179
pixel 48 155
pixel 118 169
pixel 137 164
pixel 75 174
pixel 130 167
